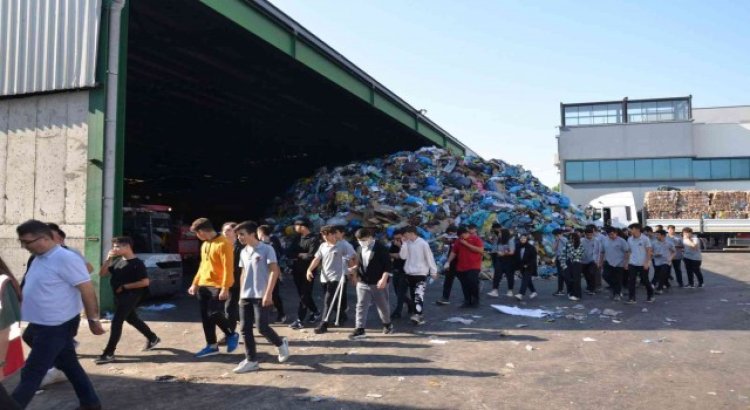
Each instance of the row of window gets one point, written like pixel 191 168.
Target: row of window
pixel 662 169
pixel 616 113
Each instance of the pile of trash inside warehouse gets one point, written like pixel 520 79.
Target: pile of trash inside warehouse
pixel 431 189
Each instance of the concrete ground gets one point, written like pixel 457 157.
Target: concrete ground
pixel 689 350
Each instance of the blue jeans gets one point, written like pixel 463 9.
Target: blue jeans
pixel 53 346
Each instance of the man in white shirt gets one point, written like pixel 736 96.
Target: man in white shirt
pixel 641 254
pixel 420 262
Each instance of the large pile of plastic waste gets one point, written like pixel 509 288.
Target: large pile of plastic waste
pixel 431 189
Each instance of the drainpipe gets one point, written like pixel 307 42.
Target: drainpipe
pixel 110 124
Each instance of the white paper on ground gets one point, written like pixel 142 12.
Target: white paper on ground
pixel 461 320
pixel 516 311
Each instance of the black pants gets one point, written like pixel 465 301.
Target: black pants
pixel 212 313
pixel 253 312
pixel 561 277
pixel 401 287
pixel 470 286
pixel 693 269
pixel 662 276
pixel 614 277
pixel 503 265
pixel 575 270
pixel 126 304
pixel 589 272
pixel 526 282
pixel 232 306
pixel 677 266
pixel 635 273
pixel 329 291
pixel 277 302
pixel 450 276
pixel 417 285
pixel 304 290
pixel 7 402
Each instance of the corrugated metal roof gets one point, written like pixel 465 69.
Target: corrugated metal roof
pixel 48 45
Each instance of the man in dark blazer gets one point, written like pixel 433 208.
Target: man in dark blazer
pixel 526 256
pixel 371 280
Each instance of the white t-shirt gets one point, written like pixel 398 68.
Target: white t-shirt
pixel 50 296
pixel 255 262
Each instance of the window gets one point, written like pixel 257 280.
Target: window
pixel 574 171
pixel 661 169
pixel 594 114
pixel 591 171
pixel 655 111
pixel 608 170
pixel 643 169
pixel 626 170
pixel 680 168
pixel 740 168
pixel 721 169
pixel 702 169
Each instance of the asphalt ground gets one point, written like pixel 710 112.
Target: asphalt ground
pixel 688 350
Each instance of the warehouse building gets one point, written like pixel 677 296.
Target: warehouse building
pixel 641 145
pixel 211 107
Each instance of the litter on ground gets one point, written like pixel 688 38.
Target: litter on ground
pixel 461 320
pixel 516 311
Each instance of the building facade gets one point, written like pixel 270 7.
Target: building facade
pixel 640 145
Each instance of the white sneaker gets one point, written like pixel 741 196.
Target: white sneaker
pixel 246 366
pixel 53 376
pixel 494 293
pixel 573 298
pixel 510 293
pixel 284 350
pixel 519 296
pixel 532 295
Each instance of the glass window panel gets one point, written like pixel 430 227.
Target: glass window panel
pixel 665 106
pixel 741 168
pixel 702 169
pixel 591 171
pixel 600 120
pixel 721 169
pixel 635 108
pixel 636 118
pixel 681 110
pixel 661 169
pixel 585 121
pixel 585 111
pixel 571 112
pixel 599 109
pixel 679 168
pixel 571 121
pixel 608 170
pixel 666 116
pixel 643 169
pixel 625 170
pixel 573 171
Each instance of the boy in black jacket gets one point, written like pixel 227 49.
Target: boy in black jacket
pixel 526 256
pixel 371 280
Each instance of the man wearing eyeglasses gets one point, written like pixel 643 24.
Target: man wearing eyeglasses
pixel 57 288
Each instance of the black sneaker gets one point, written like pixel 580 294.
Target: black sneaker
pixel 297 325
pixel 700 285
pixel 281 318
pixel 559 293
pixel 388 329
pixel 105 358
pixel 152 344
pixel 630 302
pixel 358 334
pixel 442 302
pixel 322 328
pixel 313 318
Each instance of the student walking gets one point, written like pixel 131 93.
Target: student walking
pixel 129 282
pixel 504 263
pixel 527 262
pixel 692 257
pixel 468 251
pixel 615 255
pixel 451 234
pixel 334 258
pixel 265 236
pixel 400 284
pixel 573 263
pixel 58 287
pixel 676 240
pixel 301 252
pixel 664 251
pixel 591 246
pixel 641 252
pixel 559 248
pixel 212 284
pixel 232 304
pixel 420 262
pixel 260 273
pixel 371 280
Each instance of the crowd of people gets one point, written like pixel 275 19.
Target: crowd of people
pixel 237 284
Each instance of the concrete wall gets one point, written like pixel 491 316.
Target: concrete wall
pixel 43 161
pixel 720 115
pixel 721 140
pixel 627 141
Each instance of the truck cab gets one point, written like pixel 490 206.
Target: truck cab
pixel 617 210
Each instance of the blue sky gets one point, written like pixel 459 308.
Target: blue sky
pixel 493 73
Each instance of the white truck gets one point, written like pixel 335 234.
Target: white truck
pixel 619 210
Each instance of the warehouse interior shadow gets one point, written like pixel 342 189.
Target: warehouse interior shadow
pixel 219 123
